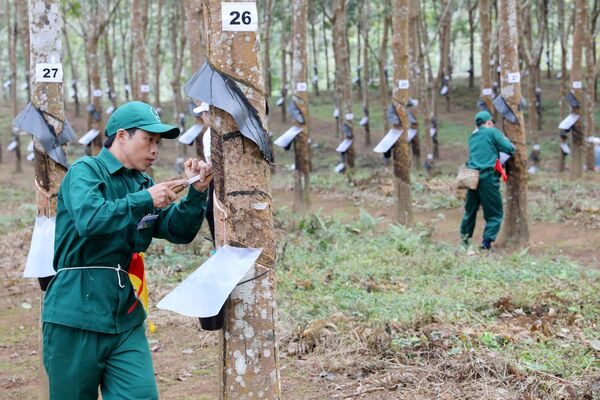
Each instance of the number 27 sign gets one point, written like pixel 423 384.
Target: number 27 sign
pixel 46 72
pixel 239 17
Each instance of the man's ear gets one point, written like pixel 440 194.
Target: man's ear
pixel 122 135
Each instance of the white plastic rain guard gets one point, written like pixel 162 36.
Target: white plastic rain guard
pixel 388 141
pixel 204 291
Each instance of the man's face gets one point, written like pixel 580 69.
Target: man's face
pixel 489 124
pixel 140 150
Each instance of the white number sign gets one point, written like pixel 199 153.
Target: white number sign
pixel 239 17
pixel 301 86
pixel 45 72
pixel 403 84
pixel 513 77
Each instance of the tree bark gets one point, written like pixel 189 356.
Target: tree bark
pixel 197 46
pixel 425 88
pixel 23 15
pixel 366 71
pixel 139 20
pixel 445 36
pixel 313 39
pixel 177 38
pixel 108 66
pixel 249 354
pixel 564 34
pixel 400 151
pixel 414 72
pixel 326 47
pixel 342 66
pixel 300 95
pixel 12 28
pixel 590 90
pixel 72 67
pixel 532 52
pixel 578 130
pixel 266 61
pixel 383 55
pixel 283 48
pixel 157 56
pixel 194 28
pixel 472 8
pixel 516 228
pixel 485 22
pixel 45 29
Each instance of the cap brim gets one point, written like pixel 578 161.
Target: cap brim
pixel 165 131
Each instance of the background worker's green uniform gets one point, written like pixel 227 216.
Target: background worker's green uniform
pixel 484 145
pixel 90 337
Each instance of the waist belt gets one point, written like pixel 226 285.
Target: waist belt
pixel 117 269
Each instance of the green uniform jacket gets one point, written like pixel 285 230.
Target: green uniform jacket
pixel 484 145
pixel 100 204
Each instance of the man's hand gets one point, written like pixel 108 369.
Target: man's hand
pixel 195 167
pixel 163 194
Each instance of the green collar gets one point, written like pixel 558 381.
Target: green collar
pixel 111 161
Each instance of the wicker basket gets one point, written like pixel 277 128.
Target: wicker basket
pixel 467 178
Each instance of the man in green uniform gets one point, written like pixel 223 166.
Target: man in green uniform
pixel 108 209
pixel 484 145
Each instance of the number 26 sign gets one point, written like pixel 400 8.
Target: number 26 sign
pixel 45 72
pixel 239 17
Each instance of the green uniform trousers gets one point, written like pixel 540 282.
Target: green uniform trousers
pixel 488 196
pixel 79 361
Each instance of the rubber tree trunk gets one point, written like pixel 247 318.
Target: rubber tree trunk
pixel 45 27
pixel 283 49
pixel 197 45
pixel 366 71
pixel 424 94
pixel 300 96
pixel 326 48
pixel 139 19
pixel 564 34
pixel 96 92
pixel 315 50
pixel 108 66
pixel 445 37
pixel 414 72
pixel 249 354
pixel 487 93
pixel 268 19
pixel 342 66
pixel 12 58
pixel 472 7
pixel 578 131
pixel 400 151
pixel 532 51
pixel 590 95
pixel 178 39
pixel 72 67
pixel 23 15
pixel 157 54
pixel 516 227
pixel 383 56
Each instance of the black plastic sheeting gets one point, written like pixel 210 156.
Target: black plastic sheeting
pixel 482 105
pixel 30 120
pixel 572 100
pixel 295 113
pixel 411 117
pixel 392 116
pixel 92 110
pixel 347 131
pixel 221 91
pixel 504 109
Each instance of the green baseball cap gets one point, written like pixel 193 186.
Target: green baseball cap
pixel 482 117
pixel 137 114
